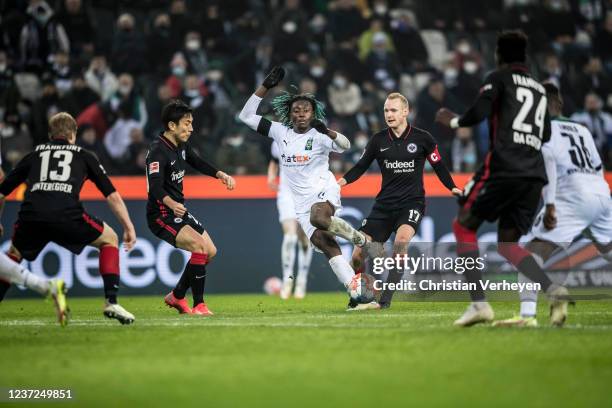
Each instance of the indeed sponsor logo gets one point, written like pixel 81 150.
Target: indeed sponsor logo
pixel 399 164
pixel 178 175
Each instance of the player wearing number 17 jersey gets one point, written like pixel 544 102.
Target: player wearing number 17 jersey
pixel 51 211
pixel 508 186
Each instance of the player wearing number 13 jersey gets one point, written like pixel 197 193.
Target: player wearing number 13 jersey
pixel 54 174
pixel 509 184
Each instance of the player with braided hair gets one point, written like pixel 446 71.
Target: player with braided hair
pixel 304 143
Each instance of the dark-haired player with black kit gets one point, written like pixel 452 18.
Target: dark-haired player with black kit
pixel 401 151
pixel 509 184
pixel 167 216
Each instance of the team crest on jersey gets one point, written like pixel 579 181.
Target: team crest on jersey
pixel 411 148
pixel 183 154
pixel 308 144
pixel 178 220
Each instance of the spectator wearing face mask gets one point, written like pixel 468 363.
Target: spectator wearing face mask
pixel 41 37
pixel 127 94
pixel 593 78
pixel 196 95
pixel 366 40
pixel 464 152
pixel 128 50
pixel 383 63
pixel 197 61
pixel 344 96
pixel 100 78
pixel 408 42
pixel 468 82
pixel 118 138
pixel 178 72
pixel 160 45
pixel 290 43
pixel 599 123
pixel 79 97
pixel 61 72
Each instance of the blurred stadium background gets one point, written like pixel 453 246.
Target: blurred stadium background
pixel 114 63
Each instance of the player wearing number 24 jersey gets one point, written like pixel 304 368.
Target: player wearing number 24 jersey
pixel 54 174
pixel 509 184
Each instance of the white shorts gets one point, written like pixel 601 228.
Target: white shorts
pixel 285 205
pixel 574 214
pixel 331 193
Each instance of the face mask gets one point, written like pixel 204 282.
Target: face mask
pixel 2 67
pixel 125 90
pixel 289 27
pixel 380 9
pixel 178 71
pixel 235 141
pixel 317 71
pixel 192 93
pixel 464 48
pixel 450 74
pixel 470 67
pixel 193 45
pixel 361 142
pixel 340 82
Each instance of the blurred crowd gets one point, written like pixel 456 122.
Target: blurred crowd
pixel 114 63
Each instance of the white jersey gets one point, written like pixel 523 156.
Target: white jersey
pixel 304 160
pixel 283 186
pixel 577 165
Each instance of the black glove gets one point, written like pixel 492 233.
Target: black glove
pixel 319 126
pixel 274 77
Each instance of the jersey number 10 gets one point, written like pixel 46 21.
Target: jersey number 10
pixel 63 170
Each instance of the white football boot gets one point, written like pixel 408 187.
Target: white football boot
pixel 116 311
pixel 477 312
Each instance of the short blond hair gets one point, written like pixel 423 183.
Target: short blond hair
pixel 61 126
pixel 402 98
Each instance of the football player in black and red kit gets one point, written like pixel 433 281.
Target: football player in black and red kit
pixel 167 216
pixel 508 186
pixel 51 211
pixel 401 151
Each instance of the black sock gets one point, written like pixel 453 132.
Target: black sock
pixel 394 276
pixel 198 282
pixel 4 287
pixel 474 276
pixel 183 284
pixel 530 268
pixel 111 287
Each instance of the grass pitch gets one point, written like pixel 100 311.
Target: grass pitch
pixel 261 351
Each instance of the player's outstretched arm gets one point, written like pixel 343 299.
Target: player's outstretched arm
pixel 481 109
pixel 117 206
pixel 339 139
pixel 368 156
pixel 441 170
pixel 206 168
pixel 248 115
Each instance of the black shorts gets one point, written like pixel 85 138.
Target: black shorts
pixel 380 224
pixel 513 201
pixel 31 237
pixel 167 225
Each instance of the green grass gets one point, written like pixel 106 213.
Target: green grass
pixel 260 351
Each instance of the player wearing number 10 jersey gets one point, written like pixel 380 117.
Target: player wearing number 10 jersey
pixel 51 211
pixel 508 186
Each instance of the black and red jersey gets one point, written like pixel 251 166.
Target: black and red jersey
pixel 54 174
pixel 166 166
pixel 516 107
pixel 401 160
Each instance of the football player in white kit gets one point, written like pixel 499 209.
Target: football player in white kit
pixel 292 232
pixel 577 197
pixel 304 144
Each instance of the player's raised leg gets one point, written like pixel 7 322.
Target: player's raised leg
pixel 12 272
pixel 108 244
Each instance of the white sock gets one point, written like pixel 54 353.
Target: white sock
pixel 304 259
pixel 15 273
pixel 342 269
pixel 529 298
pixel 345 230
pixel 288 255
